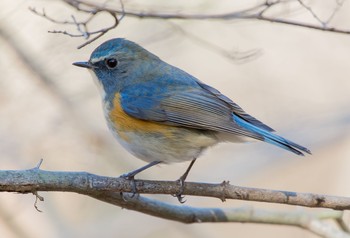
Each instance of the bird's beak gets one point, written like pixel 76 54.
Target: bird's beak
pixel 87 65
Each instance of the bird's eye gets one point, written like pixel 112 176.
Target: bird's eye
pixel 111 63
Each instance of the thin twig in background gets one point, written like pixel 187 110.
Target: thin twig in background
pixel 81 26
pixel 234 55
pixel 257 12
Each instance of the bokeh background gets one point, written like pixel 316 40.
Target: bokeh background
pixel 297 82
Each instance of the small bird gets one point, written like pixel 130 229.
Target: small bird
pixel 161 114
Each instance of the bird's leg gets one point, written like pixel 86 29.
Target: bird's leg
pixel 131 175
pixel 181 180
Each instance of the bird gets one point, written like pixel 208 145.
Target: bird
pixel 162 114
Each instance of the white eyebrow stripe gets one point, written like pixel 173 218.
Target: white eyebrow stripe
pixel 94 60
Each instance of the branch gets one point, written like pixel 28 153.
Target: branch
pixel 234 55
pixel 82 26
pixel 301 24
pixel 116 191
pixel 313 222
pixel 257 12
pixel 29 181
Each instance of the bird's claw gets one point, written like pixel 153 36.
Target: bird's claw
pixel 131 178
pixel 179 195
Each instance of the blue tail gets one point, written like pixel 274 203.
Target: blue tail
pixel 272 138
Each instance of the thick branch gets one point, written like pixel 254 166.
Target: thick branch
pixel 27 181
pixel 110 190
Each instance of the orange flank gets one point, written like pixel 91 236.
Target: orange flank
pixel 124 123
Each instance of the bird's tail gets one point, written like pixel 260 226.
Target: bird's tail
pixel 271 138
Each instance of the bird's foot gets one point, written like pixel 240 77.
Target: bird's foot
pixel 131 178
pixel 179 195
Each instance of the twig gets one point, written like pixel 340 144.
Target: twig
pixel 79 24
pixel 236 56
pixel 309 9
pixel 257 12
pixel 100 32
pixel 294 23
pixel 39 164
pixel 336 9
pixel 37 197
pixel 44 15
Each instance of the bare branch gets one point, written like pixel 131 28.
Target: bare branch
pixel 234 55
pixel 27 181
pixel 100 32
pixel 336 9
pixel 37 197
pixel 115 191
pixel 44 15
pixel 305 25
pixel 314 222
pixel 309 9
pixel 257 12
pixel 81 25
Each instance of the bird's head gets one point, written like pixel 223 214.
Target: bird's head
pixel 118 63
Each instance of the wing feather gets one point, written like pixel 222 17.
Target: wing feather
pixel 235 108
pixel 195 108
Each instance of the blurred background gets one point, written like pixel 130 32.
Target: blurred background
pixel 297 81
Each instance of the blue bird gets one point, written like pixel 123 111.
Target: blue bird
pixel 161 114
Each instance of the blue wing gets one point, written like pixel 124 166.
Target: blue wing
pixel 235 108
pixel 194 104
pixel 194 108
